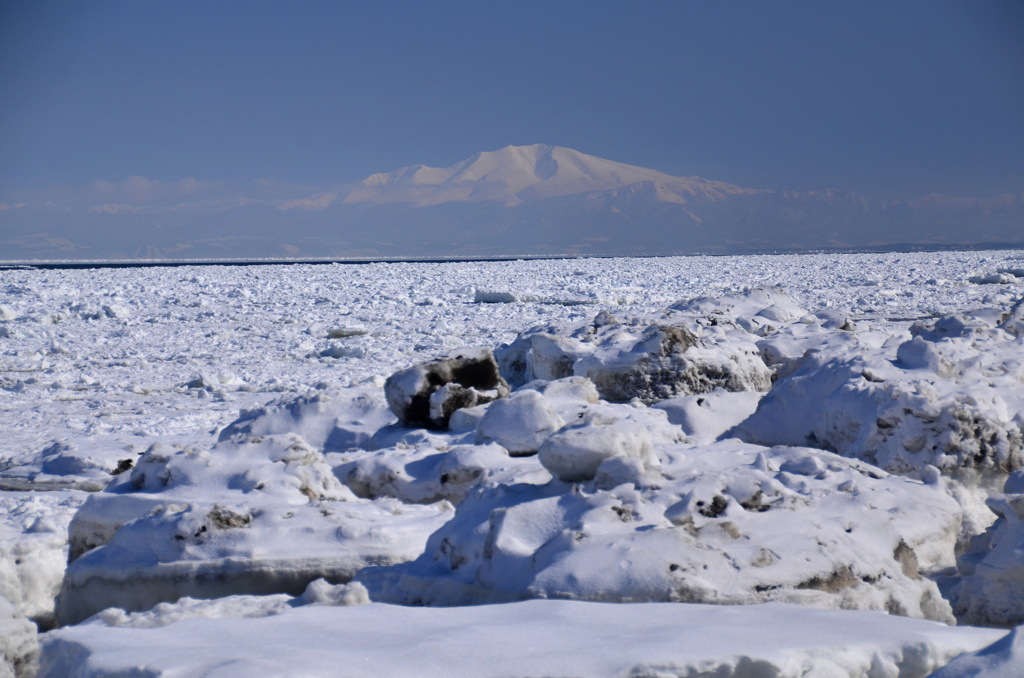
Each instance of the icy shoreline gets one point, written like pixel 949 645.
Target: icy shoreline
pixel 100 364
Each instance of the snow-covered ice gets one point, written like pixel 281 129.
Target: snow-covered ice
pixel 533 638
pixel 727 523
pixel 33 548
pixel 946 395
pixel 19 645
pixel 261 515
pixel 225 433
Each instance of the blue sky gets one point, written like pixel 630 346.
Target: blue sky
pixel 904 97
pixel 889 99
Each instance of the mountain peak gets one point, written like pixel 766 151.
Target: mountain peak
pixel 516 174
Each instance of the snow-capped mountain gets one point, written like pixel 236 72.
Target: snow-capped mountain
pixel 548 199
pixel 519 200
pixel 518 174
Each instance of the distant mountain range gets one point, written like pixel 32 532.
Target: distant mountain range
pixel 521 200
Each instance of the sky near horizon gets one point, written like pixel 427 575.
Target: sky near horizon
pixel 123 101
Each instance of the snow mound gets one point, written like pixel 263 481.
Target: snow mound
pixel 502 297
pixel 727 523
pixel 519 423
pixel 569 389
pixel 1012 321
pixel 781 330
pixel 555 638
pixel 756 307
pixel 419 466
pixel 998 278
pixel 328 421
pixel 991 592
pixel 950 398
pixel 89 311
pixel 249 515
pixel 667 361
pixel 707 416
pixel 576 452
pixel 80 464
pixel 650 358
pixel 423 473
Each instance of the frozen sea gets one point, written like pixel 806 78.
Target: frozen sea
pixel 98 366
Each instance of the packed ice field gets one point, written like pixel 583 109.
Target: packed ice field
pixel 792 465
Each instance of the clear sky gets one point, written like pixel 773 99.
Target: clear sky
pixel 903 97
pixel 889 99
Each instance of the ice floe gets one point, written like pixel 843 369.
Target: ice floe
pixel 251 515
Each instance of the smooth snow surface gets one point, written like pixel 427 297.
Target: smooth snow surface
pixel 828 430
pixel 534 638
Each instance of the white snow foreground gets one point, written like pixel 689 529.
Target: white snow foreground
pixel 655 518
pixel 250 636
pixel 617 504
pixel 621 470
pixel 249 515
pixel 727 523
